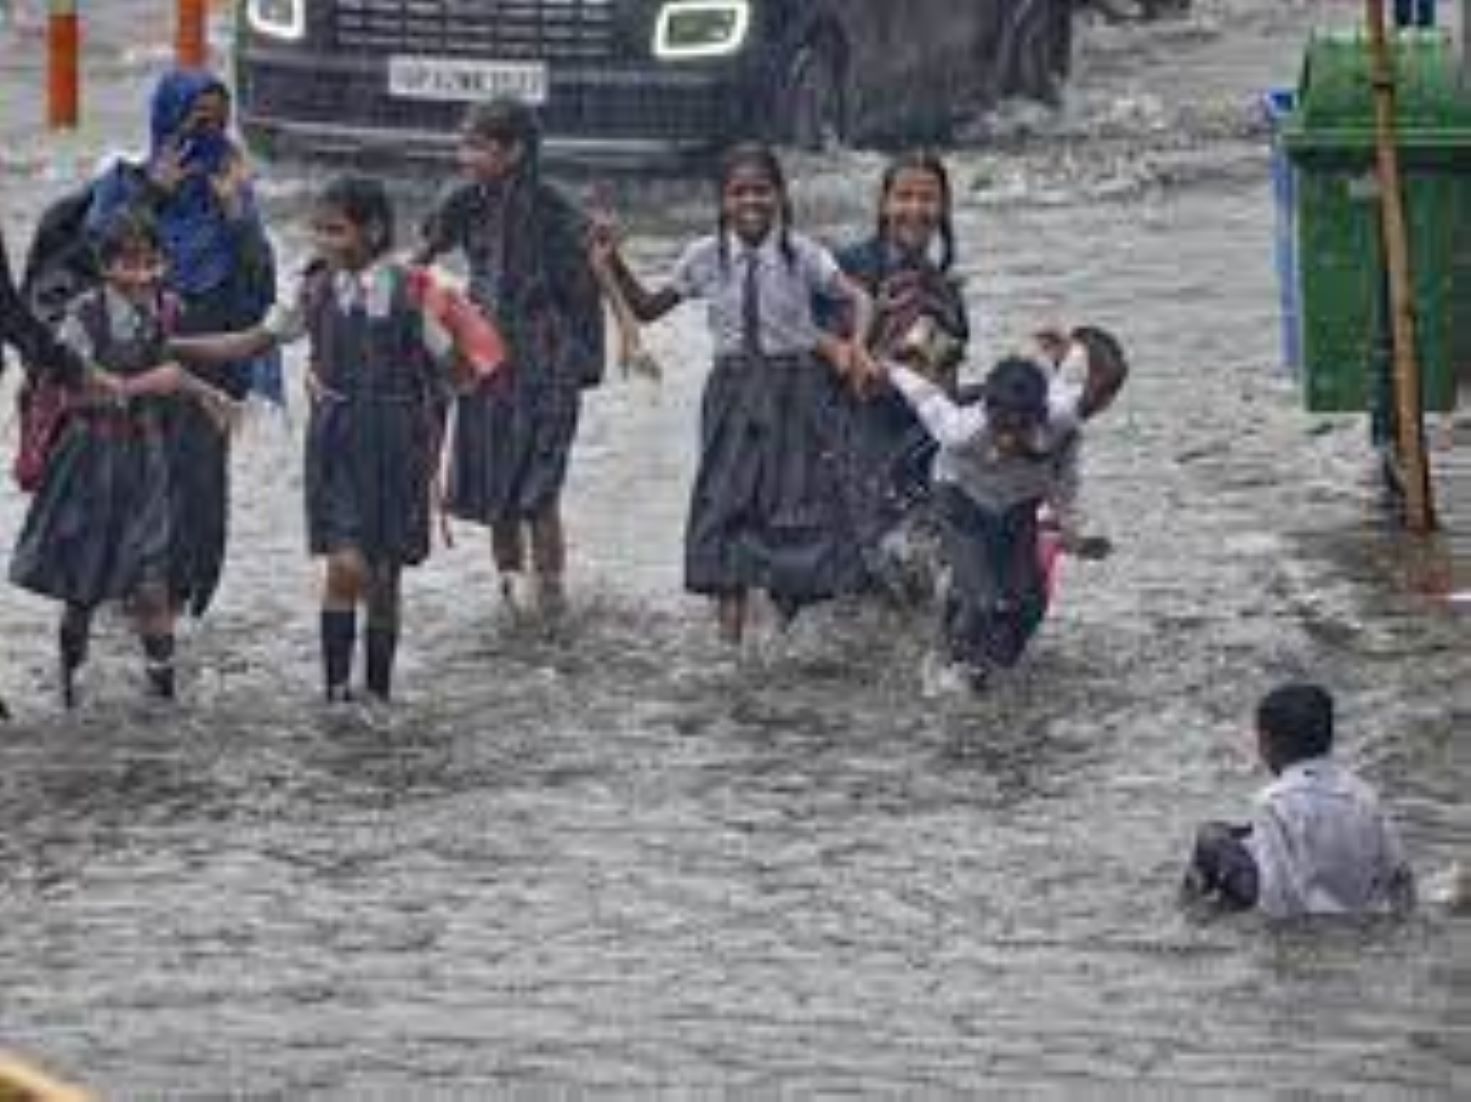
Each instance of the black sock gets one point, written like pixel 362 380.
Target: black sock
pixel 339 637
pixel 382 645
pixel 76 626
pixel 159 652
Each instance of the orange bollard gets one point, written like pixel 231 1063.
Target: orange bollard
pixel 63 68
pixel 191 40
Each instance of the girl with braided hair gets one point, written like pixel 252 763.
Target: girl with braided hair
pixel 529 272
pixel 766 511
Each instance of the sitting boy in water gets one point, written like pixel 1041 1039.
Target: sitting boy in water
pixel 1318 842
pixel 1000 459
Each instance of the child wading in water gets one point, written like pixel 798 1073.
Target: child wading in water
pixel 1000 460
pixel 887 452
pixel 1318 841
pixel 378 384
pixel 526 249
pixel 101 524
pixel 766 510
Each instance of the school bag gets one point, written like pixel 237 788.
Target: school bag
pixel 60 265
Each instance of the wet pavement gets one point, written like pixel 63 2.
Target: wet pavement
pixel 610 860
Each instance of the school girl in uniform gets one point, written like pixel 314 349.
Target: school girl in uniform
pixel 101 524
pixel 905 266
pixel 379 384
pixel 766 511
pixel 196 185
pixel 525 245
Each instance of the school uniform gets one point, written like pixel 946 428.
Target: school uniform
pixel 1318 843
pixel 766 509
pixel 372 441
pixel 524 245
pixel 101 523
pixel 987 506
pixel 222 269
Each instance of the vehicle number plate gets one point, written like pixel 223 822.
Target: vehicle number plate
pixel 453 78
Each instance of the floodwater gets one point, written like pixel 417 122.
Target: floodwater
pixel 609 860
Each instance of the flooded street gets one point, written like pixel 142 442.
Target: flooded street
pixel 611 861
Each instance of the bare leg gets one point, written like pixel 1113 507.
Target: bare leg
pixel 508 546
pixel 153 619
pixel 731 614
pixel 549 557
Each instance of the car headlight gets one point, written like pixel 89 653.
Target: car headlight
pixel 701 28
pixel 284 19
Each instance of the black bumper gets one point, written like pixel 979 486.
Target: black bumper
pixel 595 113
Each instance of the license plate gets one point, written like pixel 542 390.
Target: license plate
pixel 454 78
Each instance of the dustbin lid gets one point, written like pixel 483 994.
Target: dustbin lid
pixel 1335 100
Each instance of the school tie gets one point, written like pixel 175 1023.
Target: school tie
pixel 751 307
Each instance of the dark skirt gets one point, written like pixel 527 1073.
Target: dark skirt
pixel 369 477
pixel 100 524
pixel 997 594
pixel 199 455
pixel 512 442
pixel 886 458
pixel 767 511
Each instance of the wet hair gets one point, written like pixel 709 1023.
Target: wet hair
pixel 1017 386
pixel 504 119
pixel 922 160
pixel 761 157
pixel 363 201
pixel 1295 722
pixel 128 230
pixel 1103 349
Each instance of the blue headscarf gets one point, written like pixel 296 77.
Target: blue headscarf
pixel 197 235
pixel 198 238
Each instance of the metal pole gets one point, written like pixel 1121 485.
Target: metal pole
pixel 63 68
pixel 1413 466
pixel 191 39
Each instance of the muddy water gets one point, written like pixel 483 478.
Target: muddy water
pixel 610 859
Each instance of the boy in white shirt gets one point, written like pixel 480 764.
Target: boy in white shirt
pixel 1000 459
pixel 1318 841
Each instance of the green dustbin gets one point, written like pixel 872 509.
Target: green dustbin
pixel 1330 139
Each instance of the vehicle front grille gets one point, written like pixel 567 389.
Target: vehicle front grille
pixel 552 30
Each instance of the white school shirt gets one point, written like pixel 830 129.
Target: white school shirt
pixel 373 287
pixel 967 456
pixel 1322 845
pixel 784 291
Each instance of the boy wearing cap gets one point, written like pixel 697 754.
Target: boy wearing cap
pixel 999 460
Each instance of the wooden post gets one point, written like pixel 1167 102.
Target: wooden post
pixel 191 38
pixel 63 65
pixel 1411 461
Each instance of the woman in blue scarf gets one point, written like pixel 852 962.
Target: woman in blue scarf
pixel 196 187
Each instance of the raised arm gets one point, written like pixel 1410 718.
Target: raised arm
pixel 951 425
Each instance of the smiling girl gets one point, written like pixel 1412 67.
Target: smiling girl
pixel 765 513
